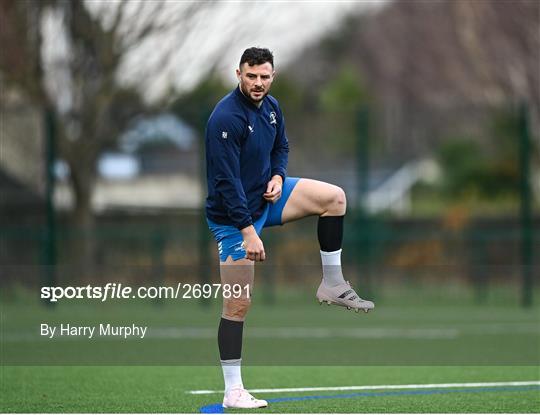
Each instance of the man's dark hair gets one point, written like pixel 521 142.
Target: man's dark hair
pixel 257 56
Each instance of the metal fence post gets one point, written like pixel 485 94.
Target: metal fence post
pixel 204 232
pixel 526 207
pixel 49 235
pixel 363 223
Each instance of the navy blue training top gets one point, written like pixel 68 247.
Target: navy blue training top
pixel 245 146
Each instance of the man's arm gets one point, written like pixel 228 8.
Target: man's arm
pixel 223 146
pixel 280 152
pixel 278 159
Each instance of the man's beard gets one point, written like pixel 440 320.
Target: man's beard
pixel 247 94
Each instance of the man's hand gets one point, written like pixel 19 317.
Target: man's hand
pixel 253 244
pixel 273 189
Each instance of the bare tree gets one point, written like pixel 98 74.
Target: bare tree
pixel 447 57
pixel 435 65
pixel 72 57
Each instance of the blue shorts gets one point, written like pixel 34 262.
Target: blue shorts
pixel 229 238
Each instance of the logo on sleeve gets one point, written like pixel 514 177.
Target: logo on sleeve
pixel 273 118
pixel 250 128
pixel 224 134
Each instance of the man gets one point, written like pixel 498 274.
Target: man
pixel 248 189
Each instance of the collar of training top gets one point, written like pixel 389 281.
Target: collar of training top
pixel 245 99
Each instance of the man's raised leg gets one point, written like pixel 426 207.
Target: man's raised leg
pixel 312 197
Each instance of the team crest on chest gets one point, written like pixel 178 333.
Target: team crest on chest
pixel 273 118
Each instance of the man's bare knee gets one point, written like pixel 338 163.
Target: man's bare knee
pixel 236 308
pixel 337 204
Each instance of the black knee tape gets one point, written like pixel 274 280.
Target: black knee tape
pixel 330 232
pixel 230 339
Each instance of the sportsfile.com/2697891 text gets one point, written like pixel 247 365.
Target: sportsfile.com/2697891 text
pixel 115 291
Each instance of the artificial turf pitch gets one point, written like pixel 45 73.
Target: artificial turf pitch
pixel 437 341
pixel 164 389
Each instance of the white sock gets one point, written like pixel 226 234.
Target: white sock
pixel 331 264
pixel 232 373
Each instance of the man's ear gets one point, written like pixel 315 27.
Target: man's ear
pixel 238 74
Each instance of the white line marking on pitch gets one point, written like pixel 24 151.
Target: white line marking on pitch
pixel 372 387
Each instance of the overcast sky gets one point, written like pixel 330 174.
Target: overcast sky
pixel 178 58
pixel 285 27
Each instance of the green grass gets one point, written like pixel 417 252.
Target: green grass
pixel 479 343
pixel 425 329
pixel 163 389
